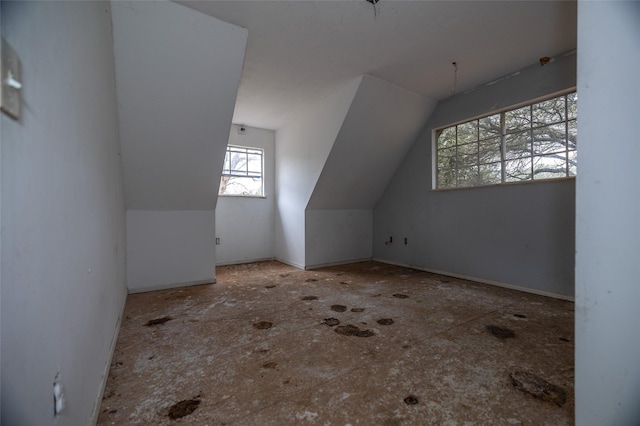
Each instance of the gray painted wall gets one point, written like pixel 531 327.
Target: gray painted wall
pixel 520 235
pixel 245 225
pixel 63 222
pixel 177 75
pixel 608 212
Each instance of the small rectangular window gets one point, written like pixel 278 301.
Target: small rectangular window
pixel 242 172
pixel 533 142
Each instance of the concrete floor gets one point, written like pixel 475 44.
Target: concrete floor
pixel 257 349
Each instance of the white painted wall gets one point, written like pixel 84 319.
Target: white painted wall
pixel 337 236
pixel 302 147
pixel 608 208
pixel 246 225
pixel 382 123
pixel 520 235
pixel 177 73
pixel 63 224
pixel 169 249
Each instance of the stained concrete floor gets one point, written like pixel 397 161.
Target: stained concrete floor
pixel 257 349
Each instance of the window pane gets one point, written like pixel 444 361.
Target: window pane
pixel 573 162
pixel 446 178
pixel 517 170
pixel 242 172
pixel 490 126
pixel 468 176
pixel 548 112
pixel 447 158
pixel 255 165
pixel 490 151
pixel 447 138
pixel 573 134
pixel 518 119
pixel 518 145
pixel 468 132
pixel 549 139
pixel 550 166
pixel 572 105
pixel 238 162
pixel 490 174
pixel 234 185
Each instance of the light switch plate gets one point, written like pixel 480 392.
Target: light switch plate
pixel 10 89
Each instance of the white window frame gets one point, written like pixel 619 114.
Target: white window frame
pixel 569 174
pixel 239 173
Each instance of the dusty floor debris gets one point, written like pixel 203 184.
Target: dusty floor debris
pixel 331 321
pixel 352 330
pixel 385 321
pixel 538 387
pixel 501 333
pixel 158 321
pixel 263 325
pixel 400 296
pixel 262 356
pixel 338 308
pixel 183 408
pixel 411 400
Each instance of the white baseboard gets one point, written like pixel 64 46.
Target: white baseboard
pixel 240 262
pixel 286 262
pixel 105 373
pixel 343 262
pixel 171 286
pixel 483 281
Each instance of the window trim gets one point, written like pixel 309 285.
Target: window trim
pixel 518 105
pixel 262 172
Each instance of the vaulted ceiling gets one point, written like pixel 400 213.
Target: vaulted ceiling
pixel 299 50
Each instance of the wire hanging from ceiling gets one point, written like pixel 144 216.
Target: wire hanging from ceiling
pixel 455 76
pixel 374 3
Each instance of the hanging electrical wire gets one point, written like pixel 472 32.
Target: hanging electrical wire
pixel 374 3
pixel 455 76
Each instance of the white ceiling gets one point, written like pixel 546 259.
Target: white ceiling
pixel 298 50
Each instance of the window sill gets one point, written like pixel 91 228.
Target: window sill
pixel 497 185
pixel 242 196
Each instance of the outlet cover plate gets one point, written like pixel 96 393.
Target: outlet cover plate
pixel 9 96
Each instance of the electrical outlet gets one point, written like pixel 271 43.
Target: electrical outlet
pixel 10 86
pixel 58 396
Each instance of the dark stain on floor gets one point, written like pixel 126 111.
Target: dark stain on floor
pixel 310 298
pixel 385 321
pixel 352 330
pixel 357 309
pixel 343 282
pixel 331 321
pixel 157 321
pixel 501 333
pixel 270 365
pixel 183 408
pixel 538 387
pixel 270 286
pixel 564 339
pixel 411 400
pixel 310 280
pixel 338 308
pixel 519 315
pixel 400 296
pixel 263 325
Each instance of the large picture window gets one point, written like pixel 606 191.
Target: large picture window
pixel 242 172
pixel 533 142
